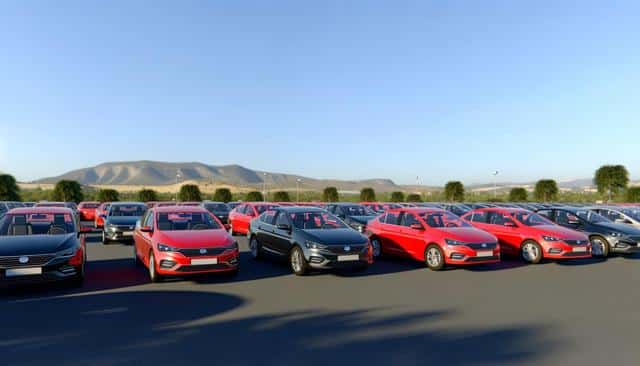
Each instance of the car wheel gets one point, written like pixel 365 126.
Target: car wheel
pixel 254 246
pixel 377 247
pixel 153 274
pixel 434 258
pixel 105 240
pixel 600 246
pixel 298 263
pixel 531 252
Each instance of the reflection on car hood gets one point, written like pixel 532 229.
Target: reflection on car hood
pixel 335 236
pixel 468 235
pixel 123 220
pixel 622 228
pixel 361 219
pixel 35 244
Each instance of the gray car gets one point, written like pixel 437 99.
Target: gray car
pixel 120 221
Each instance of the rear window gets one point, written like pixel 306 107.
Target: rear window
pixel 50 205
pixel 216 207
pixel 186 221
pixel 37 224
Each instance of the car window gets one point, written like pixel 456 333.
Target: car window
pixel 546 213
pixel 443 220
pixel 479 217
pixel 127 210
pixel 186 221
pixel 37 224
pixel 282 219
pixel 149 220
pixel 268 216
pixel 316 220
pixel 392 218
pixel 409 219
pixel 498 218
pixel 566 218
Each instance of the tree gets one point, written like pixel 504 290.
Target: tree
pixel 546 190
pixel 330 194
pixel 367 195
pixel 633 194
pixel 254 196
pixel 190 192
pixel 9 190
pixel 281 196
pixel 414 197
pixel 108 195
pixel 611 179
pixel 222 195
pixel 147 195
pixel 397 197
pixel 67 191
pixel 518 195
pixel 454 191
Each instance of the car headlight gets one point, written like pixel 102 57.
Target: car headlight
pixel 615 235
pixel 111 227
pixel 314 245
pixel 233 246
pixel 550 238
pixel 454 242
pixel 166 248
pixel 67 252
pixel 358 227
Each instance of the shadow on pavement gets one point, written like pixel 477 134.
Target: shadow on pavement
pixel 186 328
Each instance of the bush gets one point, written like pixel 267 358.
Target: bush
pixel 254 196
pixel 633 194
pixel 67 191
pixel 108 195
pixel 281 196
pixel 367 195
pixel 397 197
pixel 223 195
pixel 414 197
pixel 147 195
pixel 9 190
pixel 190 192
pixel 454 191
pixel 518 195
pixel 330 194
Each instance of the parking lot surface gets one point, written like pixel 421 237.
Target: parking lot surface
pixel 569 313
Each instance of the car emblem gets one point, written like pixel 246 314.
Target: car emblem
pixel 203 251
pixel 23 260
pixel 484 245
pixel 347 248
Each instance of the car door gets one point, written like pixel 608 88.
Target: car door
pixel 265 229
pixel 281 238
pixel 143 241
pixel 509 237
pixel 390 234
pixel 411 240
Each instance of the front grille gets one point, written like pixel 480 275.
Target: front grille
pixel 125 228
pixel 339 249
pixel 34 261
pixel 482 246
pixel 210 252
pixel 577 242
pixel 482 259
pixel 208 267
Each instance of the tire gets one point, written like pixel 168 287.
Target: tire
pixel 298 263
pixel 434 258
pixel 254 247
pixel 531 252
pixel 105 240
pixel 153 274
pixel 600 247
pixel 376 245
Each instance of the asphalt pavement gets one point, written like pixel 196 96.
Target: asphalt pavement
pixel 396 313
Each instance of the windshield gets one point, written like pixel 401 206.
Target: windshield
pixel 592 217
pixel 216 207
pixel 50 205
pixel 127 210
pixel 357 211
pixel 186 221
pixel 90 205
pixel 37 224
pixel 530 219
pixel 316 220
pixel 443 219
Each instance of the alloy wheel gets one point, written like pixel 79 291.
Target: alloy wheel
pixel 434 258
pixel 377 248
pixel 530 252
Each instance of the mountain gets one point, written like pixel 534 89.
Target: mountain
pixel 140 173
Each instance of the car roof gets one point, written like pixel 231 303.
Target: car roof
pixel 170 209
pixel 127 203
pixel 40 210
pixel 417 210
pixel 296 209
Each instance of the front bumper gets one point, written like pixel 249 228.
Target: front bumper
pixel 58 269
pixel 461 255
pixel 177 264
pixel 624 246
pixel 561 250
pixel 334 258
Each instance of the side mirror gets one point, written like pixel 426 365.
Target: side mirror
pixel 146 229
pixel 285 227
pixel 417 227
pixel 510 224
pixel 573 223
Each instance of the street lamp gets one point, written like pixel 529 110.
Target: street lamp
pixel 298 181
pixel 264 187
pixel 495 184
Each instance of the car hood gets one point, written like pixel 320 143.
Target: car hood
pixel 559 232
pixel 622 228
pixel 468 235
pixel 123 220
pixel 361 219
pixel 35 244
pixel 335 236
pixel 195 238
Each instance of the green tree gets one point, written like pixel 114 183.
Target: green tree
pixel 633 194
pixel 330 194
pixel 546 190
pixel 222 195
pixel 397 197
pixel 518 195
pixel 281 196
pixel 147 195
pixel 254 196
pixel 67 191
pixel 367 195
pixel 454 191
pixel 611 179
pixel 9 190
pixel 108 195
pixel 190 192
pixel 414 197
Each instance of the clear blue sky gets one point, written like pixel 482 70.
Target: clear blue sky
pixel 328 89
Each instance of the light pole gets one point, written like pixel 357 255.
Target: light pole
pixel 177 182
pixel 264 187
pixel 298 181
pixel 495 184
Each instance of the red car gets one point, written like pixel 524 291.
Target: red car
pixel 101 213
pixel 528 235
pixel 181 240
pixel 241 216
pixel 433 236
pixel 88 210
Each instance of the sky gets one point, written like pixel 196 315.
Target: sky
pixel 439 90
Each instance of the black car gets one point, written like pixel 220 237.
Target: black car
pixel 606 236
pixel 41 245
pixel 355 215
pixel 120 221
pixel 219 210
pixel 311 238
